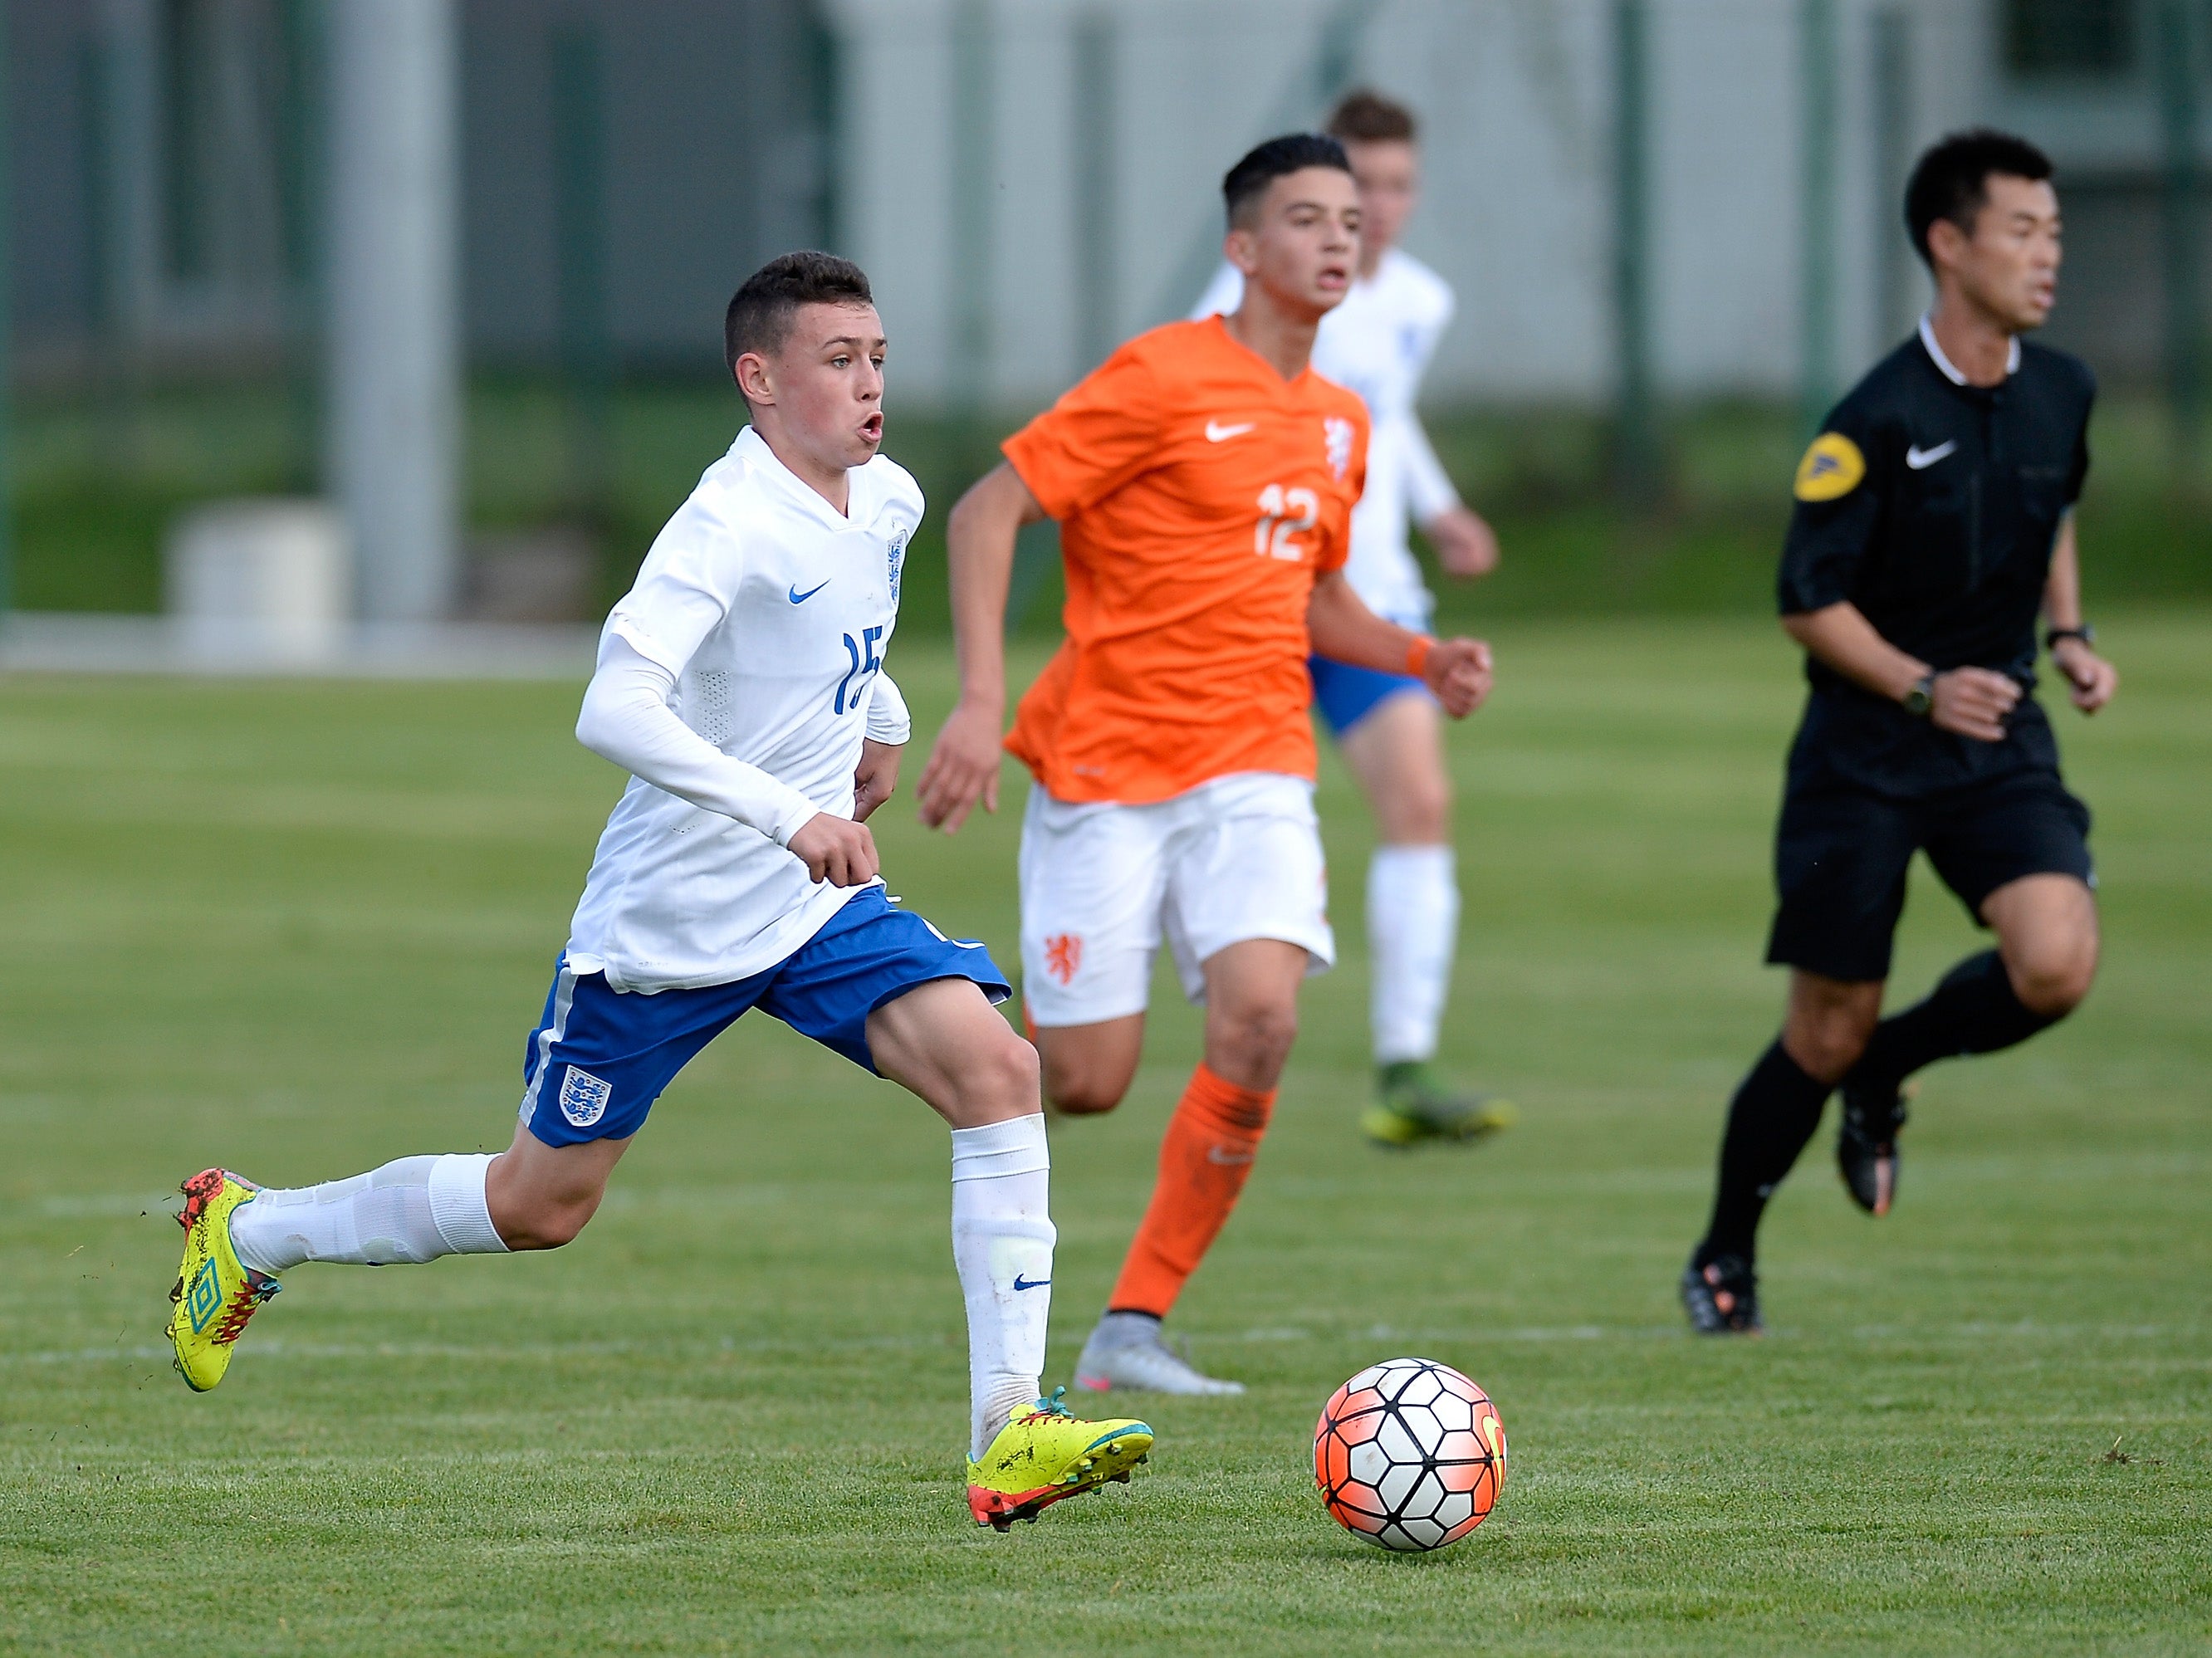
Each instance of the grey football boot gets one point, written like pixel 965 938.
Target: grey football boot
pixel 1126 1354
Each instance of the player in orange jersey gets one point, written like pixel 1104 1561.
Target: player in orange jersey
pixel 1204 479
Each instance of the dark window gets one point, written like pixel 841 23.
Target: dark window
pixel 2087 38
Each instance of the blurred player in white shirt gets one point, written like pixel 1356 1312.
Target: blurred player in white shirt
pixel 1379 343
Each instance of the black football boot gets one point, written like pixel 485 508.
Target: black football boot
pixel 1865 1145
pixel 1721 1297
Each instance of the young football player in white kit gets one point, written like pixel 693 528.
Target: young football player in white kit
pixel 740 682
pixel 1378 343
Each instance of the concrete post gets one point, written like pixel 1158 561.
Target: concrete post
pixel 393 435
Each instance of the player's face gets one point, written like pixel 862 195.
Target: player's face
pixel 825 382
pixel 1303 242
pixel 1389 173
pixel 2009 266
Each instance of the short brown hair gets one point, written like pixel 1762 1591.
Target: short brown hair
pixel 760 313
pixel 1364 116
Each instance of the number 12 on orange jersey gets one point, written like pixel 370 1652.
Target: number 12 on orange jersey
pixel 1284 514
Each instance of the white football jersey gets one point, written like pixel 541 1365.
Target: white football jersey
pixel 772 613
pixel 1378 343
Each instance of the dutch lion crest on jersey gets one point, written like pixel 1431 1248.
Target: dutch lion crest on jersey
pixel 897 561
pixel 1336 433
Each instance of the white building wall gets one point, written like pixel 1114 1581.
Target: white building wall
pixel 894 154
pixel 1517 103
pixel 1726 208
pixel 1517 97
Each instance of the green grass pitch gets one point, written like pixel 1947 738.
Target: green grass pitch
pixel 304 928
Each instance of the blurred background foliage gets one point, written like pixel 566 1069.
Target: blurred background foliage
pixel 98 487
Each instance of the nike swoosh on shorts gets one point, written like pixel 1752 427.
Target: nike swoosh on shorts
pixel 1917 458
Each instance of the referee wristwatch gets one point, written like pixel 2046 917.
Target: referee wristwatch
pixel 1922 697
pixel 2085 633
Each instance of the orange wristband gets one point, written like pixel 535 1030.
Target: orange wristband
pixel 1417 655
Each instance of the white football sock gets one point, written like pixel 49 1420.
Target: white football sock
pixel 1412 931
pixel 414 1210
pixel 1002 1239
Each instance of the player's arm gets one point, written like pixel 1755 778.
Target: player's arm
pixel 681 595
pixel 1343 628
pixel 1971 701
pixel 627 718
pixel 979 548
pixel 875 779
pixel 2093 679
pixel 1466 545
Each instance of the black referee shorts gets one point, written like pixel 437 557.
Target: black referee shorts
pixel 1840 854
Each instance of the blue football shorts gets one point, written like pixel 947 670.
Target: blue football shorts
pixel 1345 695
pixel 600 1057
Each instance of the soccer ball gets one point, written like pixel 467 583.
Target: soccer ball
pixel 1409 1455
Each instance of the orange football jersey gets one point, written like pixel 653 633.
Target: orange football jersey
pixel 1199 495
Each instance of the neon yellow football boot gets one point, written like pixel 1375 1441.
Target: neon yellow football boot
pixel 216 1293
pixel 1047 1454
pixel 1414 1104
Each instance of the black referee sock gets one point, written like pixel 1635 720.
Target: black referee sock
pixel 1774 1114
pixel 1973 1009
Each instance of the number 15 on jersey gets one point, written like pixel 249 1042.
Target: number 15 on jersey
pixel 864 662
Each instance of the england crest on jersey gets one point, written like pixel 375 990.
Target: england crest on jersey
pixel 1336 432
pixel 897 564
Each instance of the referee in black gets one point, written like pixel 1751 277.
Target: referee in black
pixel 1934 520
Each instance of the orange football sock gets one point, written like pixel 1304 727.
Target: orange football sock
pixel 1211 1142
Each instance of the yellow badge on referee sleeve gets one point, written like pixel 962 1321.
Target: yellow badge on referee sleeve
pixel 1832 468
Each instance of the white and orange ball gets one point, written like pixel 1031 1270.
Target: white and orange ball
pixel 1409 1455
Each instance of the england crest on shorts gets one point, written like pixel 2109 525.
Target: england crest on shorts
pixel 1336 432
pixel 584 1097
pixel 898 563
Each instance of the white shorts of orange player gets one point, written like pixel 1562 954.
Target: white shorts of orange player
pixel 1236 858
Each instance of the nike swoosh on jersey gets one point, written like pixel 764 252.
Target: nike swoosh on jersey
pixel 1918 458
pixel 1217 432
pixel 798 598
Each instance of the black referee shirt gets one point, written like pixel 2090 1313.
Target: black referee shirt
pixel 1933 506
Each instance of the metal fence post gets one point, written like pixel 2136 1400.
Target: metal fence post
pixel 579 216
pixel 974 139
pixel 1093 108
pixel 2183 270
pixel 300 159
pixel 1816 284
pixel 1893 160
pixel 7 337
pixel 1636 442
